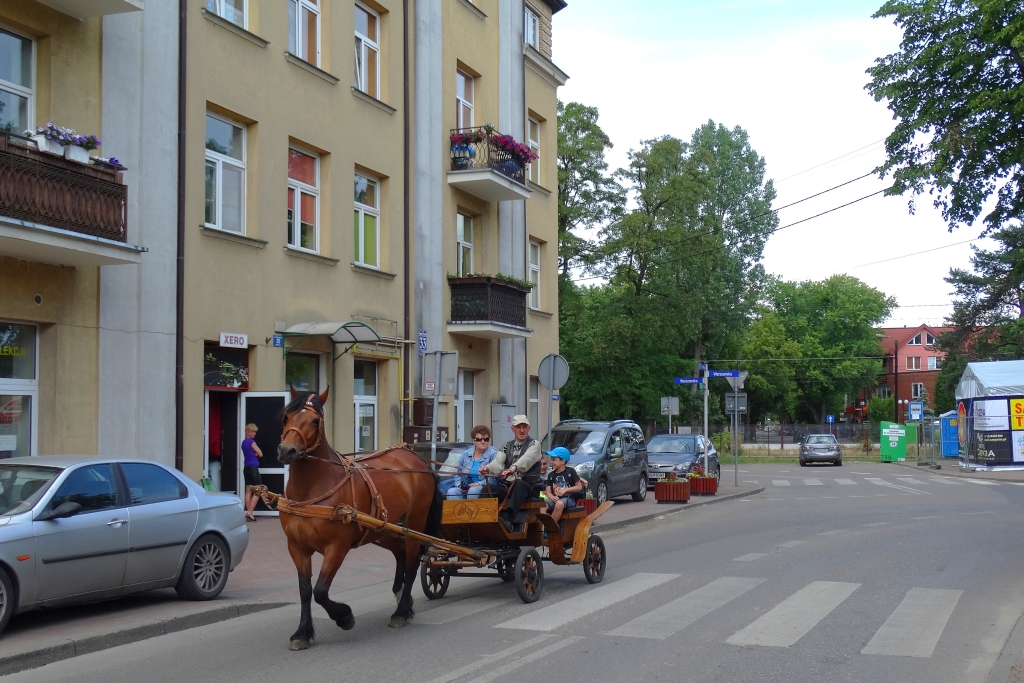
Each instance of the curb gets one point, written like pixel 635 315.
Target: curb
pixel 948 473
pixel 704 500
pixel 72 648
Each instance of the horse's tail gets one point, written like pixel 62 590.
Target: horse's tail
pixel 433 526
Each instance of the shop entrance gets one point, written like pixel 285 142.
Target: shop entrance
pixel 223 456
pixel 264 410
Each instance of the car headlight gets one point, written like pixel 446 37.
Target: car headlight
pixel 584 467
pixel 683 467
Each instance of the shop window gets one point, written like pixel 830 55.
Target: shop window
pixel 303 200
pixel 19 389
pixel 302 372
pixel 304 30
pixel 16 82
pixel 17 352
pixel 367 51
pixel 464 239
pixel 225 174
pixel 232 10
pixel 225 368
pixel 365 399
pixel 367 221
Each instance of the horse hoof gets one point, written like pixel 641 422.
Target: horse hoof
pixel 349 624
pixel 397 622
pixel 296 645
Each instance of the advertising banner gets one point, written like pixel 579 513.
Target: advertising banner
pixel 991 415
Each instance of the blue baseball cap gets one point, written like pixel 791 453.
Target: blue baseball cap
pixel 560 452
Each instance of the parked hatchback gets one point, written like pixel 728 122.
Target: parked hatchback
pixel 611 456
pixel 680 453
pixel 82 529
pixel 821 448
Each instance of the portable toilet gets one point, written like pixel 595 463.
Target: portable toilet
pixel 949 438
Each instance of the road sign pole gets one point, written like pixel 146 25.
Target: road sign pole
pixel 551 403
pixel 706 402
pixel 670 421
pixel 736 453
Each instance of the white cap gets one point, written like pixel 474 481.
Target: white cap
pixel 520 420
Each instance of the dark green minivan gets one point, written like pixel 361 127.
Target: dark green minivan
pixel 611 456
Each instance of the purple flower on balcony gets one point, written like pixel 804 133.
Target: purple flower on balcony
pixel 87 142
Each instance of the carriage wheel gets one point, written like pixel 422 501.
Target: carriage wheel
pixel 507 569
pixel 434 581
pixel 595 561
pixel 529 575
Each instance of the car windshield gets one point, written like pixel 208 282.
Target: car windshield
pixel 821 439
pixel 582 444
pixel 21 486
pixel 667 443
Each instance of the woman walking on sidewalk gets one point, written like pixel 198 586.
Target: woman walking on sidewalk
pixel 251 469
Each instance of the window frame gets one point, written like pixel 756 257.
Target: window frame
pixel 913 362
pixel 531 20
pixel 533 409
pixel 219 160
pixel 220 3
pixel 26 387
pixel 883 389
pixel 364 210
pixel 533 173
pixel 916 341
pixel 296 26
pixel 298 186
pixel 461 244
pixel 367 399
pixel 122 475
pixel 934 363
pixel 462 102
pixel 929 339
pixel 30 92
pixel 361 58
pixel 916 389
pixel 533 299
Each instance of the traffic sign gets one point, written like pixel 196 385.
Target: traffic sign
pixel 669 405
pixel 688 380
pixel 916 410
pixel 553 372
pixel 735 403
pixel 830 418
pixel 723 373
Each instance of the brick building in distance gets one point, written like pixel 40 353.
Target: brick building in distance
pixel 917 363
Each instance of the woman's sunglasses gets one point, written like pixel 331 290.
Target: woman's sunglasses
pixel 482 439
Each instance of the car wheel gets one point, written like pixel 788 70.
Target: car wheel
pixel 205 572
pixel 602 492
pixel 8 603
pixel 718 472
pixel 803 463
pixel 839 463
pixel 641 492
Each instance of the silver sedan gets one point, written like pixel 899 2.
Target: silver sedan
pixel 81 529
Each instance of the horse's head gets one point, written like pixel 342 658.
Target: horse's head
pixel 303 421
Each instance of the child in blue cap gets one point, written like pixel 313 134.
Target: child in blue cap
pixel 563 483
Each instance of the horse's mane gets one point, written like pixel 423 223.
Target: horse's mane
pixel 299 401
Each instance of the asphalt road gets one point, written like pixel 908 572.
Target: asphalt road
pixel 860 573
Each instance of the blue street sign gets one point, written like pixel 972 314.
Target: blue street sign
pixel 702 367
pixel 278 340
pixel 687 380
pixel 421 342
pixel 723 373
pixel 555 396
pixel 830 418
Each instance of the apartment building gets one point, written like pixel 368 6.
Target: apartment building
pixel 911 364
pixel 63 221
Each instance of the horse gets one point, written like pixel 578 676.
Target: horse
pixel 394 484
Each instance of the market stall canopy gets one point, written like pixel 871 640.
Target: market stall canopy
pixel 351 332
pixel 998 378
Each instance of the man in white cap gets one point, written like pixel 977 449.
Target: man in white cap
pixel 518 461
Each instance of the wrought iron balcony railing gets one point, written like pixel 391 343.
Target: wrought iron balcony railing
pixel 487 299
pixel 474 149
pixel 50 190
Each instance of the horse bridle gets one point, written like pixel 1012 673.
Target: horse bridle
pixel 307 450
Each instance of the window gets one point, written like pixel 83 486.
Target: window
pixel 916 341
pixel 302 372
pixel 933 363
pixel 91 487
pixel 535 274
pixel 19 390
pixel 929 340
pixel 367 220
pixel 365 395
pixel 464 238
pixel 16 95
pixel 534 413
pixel 531 29
pixel 151 484
pixel 304 30
pixel 916 390
pixel 463 100
pixel 913 362
pixel 884 391
pixel 232 10
pixel 533 133
pixel 225 175
pixel 367 51
pixel 464 414
pixel 303 200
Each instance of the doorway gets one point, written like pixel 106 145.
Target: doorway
pixel 222 442
pixel 263 409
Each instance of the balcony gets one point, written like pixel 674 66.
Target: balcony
pixel 86 9
pixel 62 212
pixel 486 165
pixel 488 308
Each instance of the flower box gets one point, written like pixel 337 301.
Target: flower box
pixel 47 145
pixel 669 491
pixel 76 153
pixel 704 486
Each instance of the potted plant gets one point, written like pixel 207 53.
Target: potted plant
pixel 701 484
pixel 80 147
pixel 111 163
pixel 51 139
pixel 671 489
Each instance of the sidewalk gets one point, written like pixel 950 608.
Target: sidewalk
pixel 264 580
pixel 951 468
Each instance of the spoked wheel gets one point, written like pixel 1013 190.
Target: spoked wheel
pixel 595 561
pixel 205 571
pixel 434 581
pixel 507 569
pixel 529 575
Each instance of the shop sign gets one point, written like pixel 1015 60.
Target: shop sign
pixel 17 351
pixel 10 412
pixel 225 368
pixel 232 340
pixel 1017 414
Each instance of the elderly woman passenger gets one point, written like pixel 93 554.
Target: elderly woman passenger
pixel 473 461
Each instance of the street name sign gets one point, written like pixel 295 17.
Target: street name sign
pixel 718 374
pixel 687 380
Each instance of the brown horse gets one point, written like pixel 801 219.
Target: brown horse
pixel 394 484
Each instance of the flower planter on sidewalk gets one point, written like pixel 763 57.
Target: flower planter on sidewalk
pixel 669 491
pixel 704 486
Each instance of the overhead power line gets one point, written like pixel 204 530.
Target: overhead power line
pixel 916 253
pixel 826 163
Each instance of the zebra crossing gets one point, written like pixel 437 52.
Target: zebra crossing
pixel 900 482
pixel 912 629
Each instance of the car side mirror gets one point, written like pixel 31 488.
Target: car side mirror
pixel 62 511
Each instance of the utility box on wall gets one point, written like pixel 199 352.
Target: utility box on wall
pixel 501 423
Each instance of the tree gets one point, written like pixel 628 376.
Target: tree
pixel 587 196
pixel 771 385
pixel 956 90
pixel 881 409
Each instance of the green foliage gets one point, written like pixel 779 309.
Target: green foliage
pixel 956 90
pixel 953 366
pixel 880 409
pixel 722 442
pixel 771 386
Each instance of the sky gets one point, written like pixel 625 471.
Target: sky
pixel 792 74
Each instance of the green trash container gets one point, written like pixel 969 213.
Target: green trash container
pixel 893 442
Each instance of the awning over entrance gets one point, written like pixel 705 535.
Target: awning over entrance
pixel 352 332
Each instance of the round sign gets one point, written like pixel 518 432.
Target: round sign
pixel 553 372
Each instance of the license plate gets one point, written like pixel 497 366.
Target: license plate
pixel 657 475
